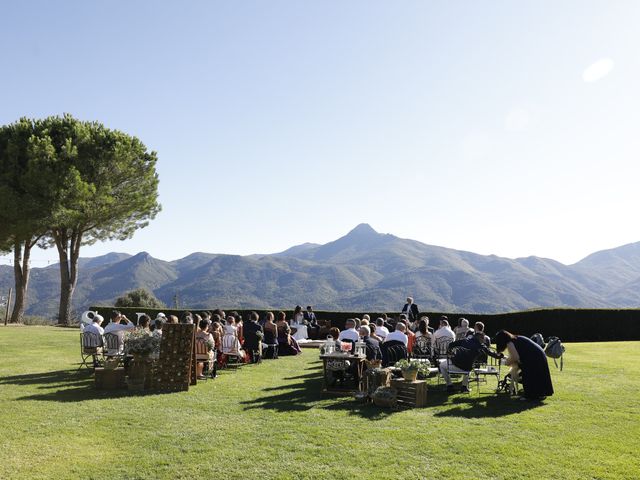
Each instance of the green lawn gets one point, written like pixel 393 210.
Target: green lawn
pixel 269 421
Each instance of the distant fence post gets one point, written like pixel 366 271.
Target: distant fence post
pixel 6 311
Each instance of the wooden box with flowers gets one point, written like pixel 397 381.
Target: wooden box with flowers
pixel 411 394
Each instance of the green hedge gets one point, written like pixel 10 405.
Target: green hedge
pixel 571 325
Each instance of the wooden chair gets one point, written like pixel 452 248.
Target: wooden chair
pixel 392 352
pixel 203 355
pixel 453 369
pixel 114 347
pixel 231 356
pixel 271 342
pixel 90 348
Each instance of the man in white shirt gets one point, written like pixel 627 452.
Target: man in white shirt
pixel 92 338
pixel 444 331
pixel 94 327
pixel 350 332
pixel 118 328
pixel 381 330
pixel 398 334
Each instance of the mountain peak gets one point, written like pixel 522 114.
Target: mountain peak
pixel 364 229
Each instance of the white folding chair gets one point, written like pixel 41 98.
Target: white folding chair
pixel 231 351
pixel 90 348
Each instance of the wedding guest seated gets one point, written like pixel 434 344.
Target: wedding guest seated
pixel 94 343
pixel 298 326
pixel 381 330
pixel 386 320
pixel 118 325
pixel 173 319
pixel 334 332
pixel 253 335
pixel 270 329
pixel 349 333
pixel 462 361
pixel 204 334
pixel 287 345
pixel 479 327
pixel 398 335
pixel 423 329
pixel 312 323
pixel 230 342
pixel 143 322
pixel 444 331
pixel 230 326
pixel 462 329
pixel 158 324
pixel 373 334
pixel 96 328
pixel 372 346
pixel 216 331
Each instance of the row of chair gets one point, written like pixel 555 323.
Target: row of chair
pixel 97 348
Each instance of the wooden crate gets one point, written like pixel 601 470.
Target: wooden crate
pixel 411 394
pixel 109 379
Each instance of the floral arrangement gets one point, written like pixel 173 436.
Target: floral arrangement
pixel 413 365
pixel 141 342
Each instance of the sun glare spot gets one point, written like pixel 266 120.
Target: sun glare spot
pixel 597 70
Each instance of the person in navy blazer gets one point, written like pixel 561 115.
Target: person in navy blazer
pixel 411 309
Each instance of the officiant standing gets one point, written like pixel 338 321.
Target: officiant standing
pixel 410 309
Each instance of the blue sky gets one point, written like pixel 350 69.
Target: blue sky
pixel 471 125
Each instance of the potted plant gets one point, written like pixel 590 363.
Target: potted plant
pixel 141 343
pixel 410 369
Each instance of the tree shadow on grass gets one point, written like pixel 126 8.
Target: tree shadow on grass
pixel 307 394
pixel 487 406
pixel 70 386
pixel 49 379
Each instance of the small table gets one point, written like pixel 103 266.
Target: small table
pixel 337 362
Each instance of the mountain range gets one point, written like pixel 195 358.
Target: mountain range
pixel 361 271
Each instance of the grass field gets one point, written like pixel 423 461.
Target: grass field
pixel 269 421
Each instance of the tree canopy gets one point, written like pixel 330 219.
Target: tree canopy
pixel 80 183
pixel 139 297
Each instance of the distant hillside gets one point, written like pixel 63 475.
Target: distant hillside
pixel 363 270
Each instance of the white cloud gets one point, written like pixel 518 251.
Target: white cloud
pixel 598 70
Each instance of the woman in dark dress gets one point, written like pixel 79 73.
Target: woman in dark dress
pixel 287 345
pixel 536 378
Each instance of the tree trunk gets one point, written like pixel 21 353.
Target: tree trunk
pixel 21 273
pixel 69 251
pixel 68 244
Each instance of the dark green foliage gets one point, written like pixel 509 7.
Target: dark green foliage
pixel 70 183
pixel 139 297
pixel 571 325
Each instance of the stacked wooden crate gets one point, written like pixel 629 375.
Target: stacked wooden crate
pixel 411 394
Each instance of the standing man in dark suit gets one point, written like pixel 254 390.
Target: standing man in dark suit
pixel 411 310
